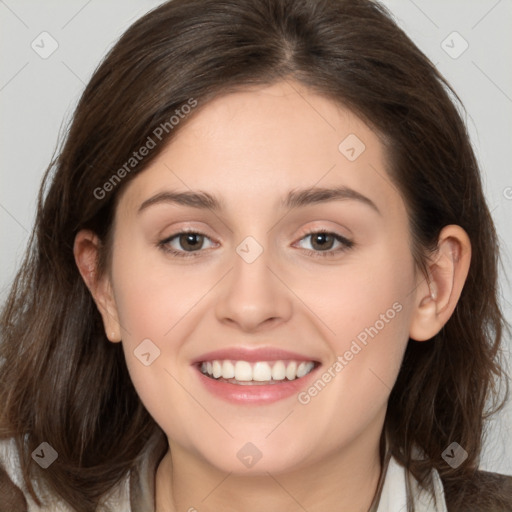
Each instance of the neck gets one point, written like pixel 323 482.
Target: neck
pixel 345 481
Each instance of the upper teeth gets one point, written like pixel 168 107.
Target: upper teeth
pixel 258 371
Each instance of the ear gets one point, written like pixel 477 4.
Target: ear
pixel 86 251
pixel 437 296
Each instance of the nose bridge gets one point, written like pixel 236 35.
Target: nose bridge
pixel 252 294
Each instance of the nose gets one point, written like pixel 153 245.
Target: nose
pixel 253 296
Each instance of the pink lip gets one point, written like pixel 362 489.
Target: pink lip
pixel 256 394
pixel 251 355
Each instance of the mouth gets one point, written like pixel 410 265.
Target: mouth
pixel 256 373
pixel 254 376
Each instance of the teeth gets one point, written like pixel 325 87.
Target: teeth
pixel 278 371
pixel 291 370
pixel 302 370
pixel 228 370
pixel 217 369
pixel 261 371
pixel 243 371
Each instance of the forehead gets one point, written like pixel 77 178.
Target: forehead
pixel 255 145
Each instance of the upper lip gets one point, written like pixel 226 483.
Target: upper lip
pixel 251 355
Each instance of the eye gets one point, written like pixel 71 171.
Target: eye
pixel 186 244
pixel 323 241
pixel 179 244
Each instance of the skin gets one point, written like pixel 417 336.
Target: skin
pixel 257 145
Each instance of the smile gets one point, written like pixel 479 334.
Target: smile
pixel 254 376
pixel 257 372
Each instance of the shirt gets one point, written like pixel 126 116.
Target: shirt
pixel 135 493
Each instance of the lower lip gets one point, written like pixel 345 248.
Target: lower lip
pixel 258 393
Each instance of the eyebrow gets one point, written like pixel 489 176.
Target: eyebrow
pixel 295 198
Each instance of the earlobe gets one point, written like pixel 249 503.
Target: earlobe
pixel 437 295
pixel 86 251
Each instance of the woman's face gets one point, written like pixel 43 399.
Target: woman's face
pixel 254 286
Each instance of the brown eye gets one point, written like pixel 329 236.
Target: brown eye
pixel 322 241
pixel 190 241
pixel 180 244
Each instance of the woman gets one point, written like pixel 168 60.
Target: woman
pixel 263 277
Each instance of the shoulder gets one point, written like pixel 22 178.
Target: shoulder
pixel 13 492
pixel 483 491
pixel 13 498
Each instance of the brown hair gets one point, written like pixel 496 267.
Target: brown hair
pixel 64 383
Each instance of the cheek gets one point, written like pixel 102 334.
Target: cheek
pixel 365 311
pixel 365 297
pixel 156 303
pixel 152 296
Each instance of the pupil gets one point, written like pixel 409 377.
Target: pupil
pixel 320 238
pixel 189 241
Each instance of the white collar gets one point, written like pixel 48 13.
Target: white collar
pixel 393 496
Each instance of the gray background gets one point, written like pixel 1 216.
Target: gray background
pixel 37 97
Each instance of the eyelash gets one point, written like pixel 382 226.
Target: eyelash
pixel 346 244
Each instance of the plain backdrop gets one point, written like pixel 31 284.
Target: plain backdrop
pixel 468 40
